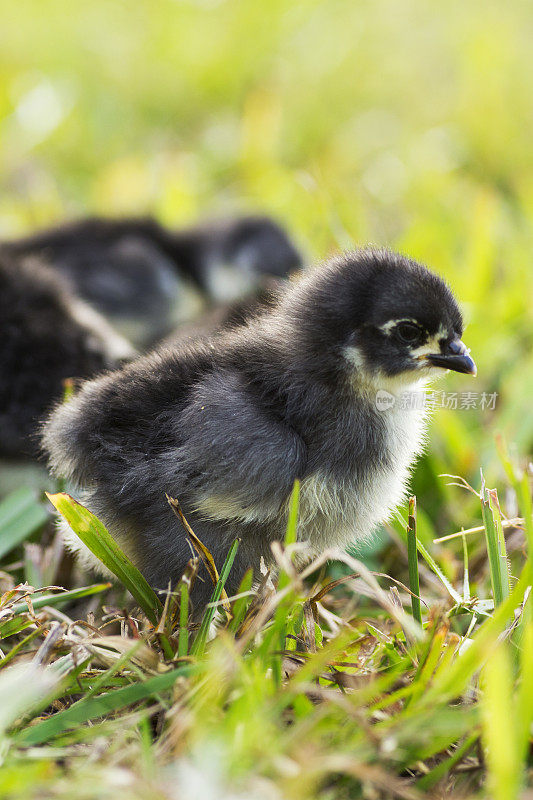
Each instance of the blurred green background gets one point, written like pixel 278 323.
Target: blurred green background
pixel 407 124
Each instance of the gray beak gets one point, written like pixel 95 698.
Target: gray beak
pixel 455 356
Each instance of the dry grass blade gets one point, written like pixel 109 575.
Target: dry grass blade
pixel 369 580
pixel 514 522
pixel 200 548
pixel 54 635
pixel 325 590
pixel 111 648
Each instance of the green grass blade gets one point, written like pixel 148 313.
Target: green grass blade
pixel 412 555
pixel 13 626
pixel 199 643
pixel 94 707
pixel 183 636
pixel 20 516
pixel 100 542
pixel 438 572
pixel 520 482
pixel 453 681
pixel 499 726
pixel 400 525
pixel 499 571
pixel 241 605
pixel 466 575
pixel 291 533
pixel 523 491
pixel 18 647
pixel 524 704
pixel 278 632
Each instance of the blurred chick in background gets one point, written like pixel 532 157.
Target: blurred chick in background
pixel 47 335
pixel 147 279
pixel 66 292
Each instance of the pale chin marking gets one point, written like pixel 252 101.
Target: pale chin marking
pixel 417 377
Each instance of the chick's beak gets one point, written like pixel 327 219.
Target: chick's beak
pixel 454 356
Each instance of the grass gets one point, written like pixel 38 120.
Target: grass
pixel 412 555
pixel 401 124
pixel 308 687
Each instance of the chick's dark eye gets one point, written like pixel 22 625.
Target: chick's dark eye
pixel 409 333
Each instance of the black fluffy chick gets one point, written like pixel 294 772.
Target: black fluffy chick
pixel 226 424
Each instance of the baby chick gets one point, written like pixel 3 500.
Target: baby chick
pixel 226 423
